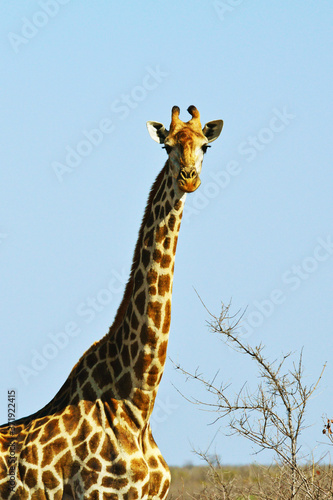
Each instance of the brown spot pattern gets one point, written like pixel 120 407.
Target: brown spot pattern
pixel 89 478
pixel 154 311
pixel 155 482
pixel 117 368
pixel 47 457
pixel 30 454
pixel 125 440
pixel 167 208
pixel 125 356
pixel 93 496
pixel 157 255
pixel 139 469
pixel 178 205
pixel 145 257
pixel 140 399
pixel 167 243
pixel 175 245
pixel 117 484
pixel 84 431
pixel 99 375
pixel 172 222
pixel 50 430
pixel 140 303
pixel 134 349
pixel 163 284
pixel 31 478
pixel 118 468
pixel 165 488
pixel 143 362
pixel 153 375
pixel 149 239
pixel 161 233
pixel 148 336
pixel 167 317
pixel 134 321
pixel 162 352
pixel 103 351
pixel 124 385
pixel 82 451
pixel 49 480
pixel 151 277
pixel 132 494
pixel 152 462
pixel 108 450
pixel 165 262
pixel 92 359
pixel 94 464
pixel 94 442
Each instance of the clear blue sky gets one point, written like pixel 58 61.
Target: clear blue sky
pixel 259 231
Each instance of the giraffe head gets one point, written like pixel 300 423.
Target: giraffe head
pixel 185 144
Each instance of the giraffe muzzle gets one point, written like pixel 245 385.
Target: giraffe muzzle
pixel 188 180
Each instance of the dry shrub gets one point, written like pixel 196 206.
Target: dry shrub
pixel 271 417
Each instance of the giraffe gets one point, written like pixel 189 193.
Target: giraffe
pixel 93 440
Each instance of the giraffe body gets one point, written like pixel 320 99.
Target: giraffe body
pixel 93 440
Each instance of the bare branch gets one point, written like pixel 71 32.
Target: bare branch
pixel 271 417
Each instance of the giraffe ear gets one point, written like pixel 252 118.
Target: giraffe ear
pixel 157 131
pixel 212 130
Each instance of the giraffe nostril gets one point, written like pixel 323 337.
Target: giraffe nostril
pixel 187 174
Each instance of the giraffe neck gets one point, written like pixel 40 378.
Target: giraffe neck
pixel 137 341
pixel 127 364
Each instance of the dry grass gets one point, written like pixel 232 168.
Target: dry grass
pixel 199 482
pixel 252 482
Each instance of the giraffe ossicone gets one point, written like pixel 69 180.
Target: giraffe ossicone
pixel 93 440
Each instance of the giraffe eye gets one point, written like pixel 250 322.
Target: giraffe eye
pixel 167 148
pixel 204 147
